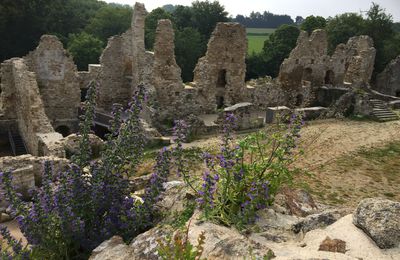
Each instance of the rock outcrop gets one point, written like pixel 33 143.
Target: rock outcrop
pixel 380 219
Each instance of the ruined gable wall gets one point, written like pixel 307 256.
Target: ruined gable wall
pixel 306 61
pixel 116 70
pixel 309 65
pixel 221 72
pixel 138 47
pixel 57 77
pixel 166 72
pixel 33 123
pixel 388 81
pixel 360 59
pixel 125 64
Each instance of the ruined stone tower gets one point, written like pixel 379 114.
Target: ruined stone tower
pixel 220 75
pixel 166 72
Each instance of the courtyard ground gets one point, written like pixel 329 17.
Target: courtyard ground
pixel 345 160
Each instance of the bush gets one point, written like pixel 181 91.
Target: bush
pixel 244 178
pixel 74 211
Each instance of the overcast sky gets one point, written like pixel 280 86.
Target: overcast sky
pixel 293 8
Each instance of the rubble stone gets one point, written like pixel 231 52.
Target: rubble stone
pixel 379 218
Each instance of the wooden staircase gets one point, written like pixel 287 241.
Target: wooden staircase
pixel 381 112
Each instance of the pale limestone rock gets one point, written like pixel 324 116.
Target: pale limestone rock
pixel 380 219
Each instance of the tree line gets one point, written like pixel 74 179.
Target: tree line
pixel 84 27
pixel 263 20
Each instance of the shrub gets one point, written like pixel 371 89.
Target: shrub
pixel 75 210
pixel 244 178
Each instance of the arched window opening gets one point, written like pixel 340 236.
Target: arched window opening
pixel 329 77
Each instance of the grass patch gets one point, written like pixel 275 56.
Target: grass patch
pixel 363 174
pixel 260 30
pixel 256 38
pixel 255 43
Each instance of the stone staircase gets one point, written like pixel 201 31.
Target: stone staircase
pixel 17 143
pixel 381 112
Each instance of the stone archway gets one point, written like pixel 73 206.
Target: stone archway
pixel 329 77
pixel 64 130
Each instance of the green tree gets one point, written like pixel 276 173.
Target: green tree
pixel 151 25
pixel 206 15
pixel 182 17
pixel 23 22
pixel 276 49
pixel 85 48
pixel 342 27
pixel 189 48
pixel 379 25
pixel 312 23
pixel 110 20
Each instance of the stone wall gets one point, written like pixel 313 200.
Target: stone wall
pixel 388 81
pixel 57 77
pixel 138 47
pixel 28 170
pixel 116 72
pixel 219 76
pixel 24 97
pixel 166 73
pixel 309 66
pixel 125 64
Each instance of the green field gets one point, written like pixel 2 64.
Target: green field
pixel 256 38
pixel 260 30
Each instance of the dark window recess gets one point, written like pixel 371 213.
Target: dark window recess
pixel 64 130
pixel 329 77
pixel 220 102
pixel 221 82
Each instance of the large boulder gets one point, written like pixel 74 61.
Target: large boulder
pixel 380 219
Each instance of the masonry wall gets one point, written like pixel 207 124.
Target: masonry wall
pixel 309 66
pixel 388 82
pixel 33 123
pixel 57 77
pixel 116 72
pixel 219 76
